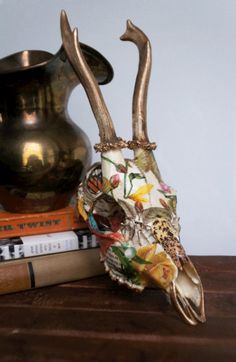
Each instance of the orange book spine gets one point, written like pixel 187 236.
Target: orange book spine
pixel 12 225
pixel 30 273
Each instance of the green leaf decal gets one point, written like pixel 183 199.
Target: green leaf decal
pixel 140 260
pixel 124 261
pixel 161 191
pixel 126 264
pixel 133 175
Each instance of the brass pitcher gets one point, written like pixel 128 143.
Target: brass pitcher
pixel 43 154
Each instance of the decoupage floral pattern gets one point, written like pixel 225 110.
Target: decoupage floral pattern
pixel 122 205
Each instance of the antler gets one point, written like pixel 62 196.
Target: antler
pixel 107 133
pixel 140 144
pixel 135 35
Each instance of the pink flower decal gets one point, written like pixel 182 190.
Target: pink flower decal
pixel 114 181
pixel 165 187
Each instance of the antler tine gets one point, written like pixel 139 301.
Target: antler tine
pixel 140 144
pixel 139 110
pixel 107 133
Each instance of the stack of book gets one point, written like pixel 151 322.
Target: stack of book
pixel 43 249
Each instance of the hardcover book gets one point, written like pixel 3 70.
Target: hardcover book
pixel 52 243
pixel 29 273
pixel 12 224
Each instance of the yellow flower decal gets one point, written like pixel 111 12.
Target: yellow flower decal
pixel 81 209
pixel 106 185
pixel 147 253
pixel 138 195
pixel 161 271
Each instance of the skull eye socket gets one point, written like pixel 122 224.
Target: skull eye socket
pixel 108 214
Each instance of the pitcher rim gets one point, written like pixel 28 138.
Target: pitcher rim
pixel 49 57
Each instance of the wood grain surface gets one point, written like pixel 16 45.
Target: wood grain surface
pixel 97 320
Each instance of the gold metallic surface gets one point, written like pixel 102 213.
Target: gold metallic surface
pixel 144 145
pixel 139 107
pixel 75 55
pixel 190 314
pixel 43 154
pixel 108 146
pixel 140 143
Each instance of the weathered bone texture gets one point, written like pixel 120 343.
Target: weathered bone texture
pixel 125 202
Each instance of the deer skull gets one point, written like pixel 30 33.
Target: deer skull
pixel 126 203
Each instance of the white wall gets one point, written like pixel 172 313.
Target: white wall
pixel 191 104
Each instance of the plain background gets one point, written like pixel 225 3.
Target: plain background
pixel 191 101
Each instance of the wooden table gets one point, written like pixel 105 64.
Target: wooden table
pixel 97 320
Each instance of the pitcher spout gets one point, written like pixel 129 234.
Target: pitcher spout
pixel 64 78
pixel 32 59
